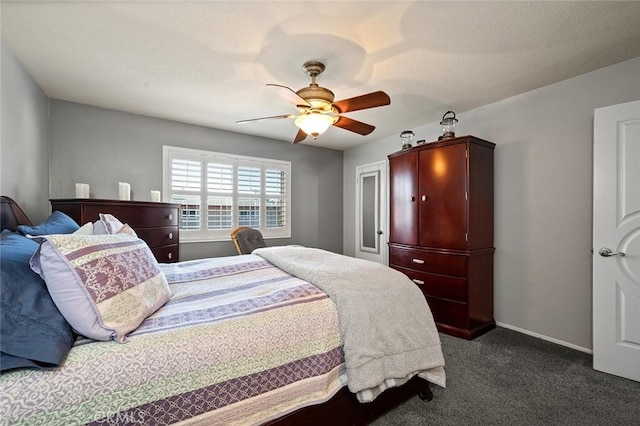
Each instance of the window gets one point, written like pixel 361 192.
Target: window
pixel 218 192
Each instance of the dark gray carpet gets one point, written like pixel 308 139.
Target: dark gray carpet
pixel 509 378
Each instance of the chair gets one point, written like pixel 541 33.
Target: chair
pixel 247 239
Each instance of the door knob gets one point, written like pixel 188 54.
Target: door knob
pixel 606 252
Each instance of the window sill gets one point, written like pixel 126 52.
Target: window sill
pixel 226 239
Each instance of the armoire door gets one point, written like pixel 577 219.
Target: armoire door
pixel 442 193
pixel 403 183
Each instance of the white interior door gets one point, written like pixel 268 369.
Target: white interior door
pixel 616 240
pixel 371 212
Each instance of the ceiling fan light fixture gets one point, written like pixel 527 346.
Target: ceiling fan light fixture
pixel 315 123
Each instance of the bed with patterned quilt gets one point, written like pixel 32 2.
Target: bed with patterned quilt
pixel 274 337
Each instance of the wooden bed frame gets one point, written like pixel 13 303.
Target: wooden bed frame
pixel 342 409
pixel 11 215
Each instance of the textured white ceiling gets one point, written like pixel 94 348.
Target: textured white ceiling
pixel 208 63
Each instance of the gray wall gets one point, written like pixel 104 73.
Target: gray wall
pixel 24 147
pixel 102 147
pixel 543 197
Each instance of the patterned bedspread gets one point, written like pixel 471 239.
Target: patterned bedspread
pixel 240 342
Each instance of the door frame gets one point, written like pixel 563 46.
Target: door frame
pixel 383 220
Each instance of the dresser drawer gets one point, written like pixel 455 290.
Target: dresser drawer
pixel 156 237
pixel 435 285
pixel 166 254
pixel 438 263
pixel 449 312
pixel 135 216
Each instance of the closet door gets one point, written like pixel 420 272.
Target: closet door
pixel 442 197
pixel 403 181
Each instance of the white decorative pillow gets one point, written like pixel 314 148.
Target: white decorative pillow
pixel 113 226
pixel 104 285
pixel 86 229
pixel 99 228
pixel 127 230
pixel 111 223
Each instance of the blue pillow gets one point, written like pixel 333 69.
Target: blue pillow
pixel 33 331
pixel 57 223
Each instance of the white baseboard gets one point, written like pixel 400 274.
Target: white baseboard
pixel 543 337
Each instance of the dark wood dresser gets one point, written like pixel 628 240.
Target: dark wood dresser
pixel 441 229
pixel 155 223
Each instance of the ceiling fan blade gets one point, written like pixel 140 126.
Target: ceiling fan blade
pixel 354 125
pixel 290 95
pixel 300 136
pixel 370 100
pixel 266 118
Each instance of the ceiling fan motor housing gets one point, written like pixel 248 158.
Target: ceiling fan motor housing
pixel 319 97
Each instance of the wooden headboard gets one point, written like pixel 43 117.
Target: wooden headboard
pixel 11 215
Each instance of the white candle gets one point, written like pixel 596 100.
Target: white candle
pixel 156 196
pixel 124 191
pixel 82 190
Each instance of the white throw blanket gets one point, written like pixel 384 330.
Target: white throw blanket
pixel 387 327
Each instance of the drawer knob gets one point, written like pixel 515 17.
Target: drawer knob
pixel 419 282
pixel 171 235
pixel 418 261
pixel 424 198
pixel 170 255
pixel 170 216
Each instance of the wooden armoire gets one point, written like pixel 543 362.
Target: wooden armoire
pixel 441 229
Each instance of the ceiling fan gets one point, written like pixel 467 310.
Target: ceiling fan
pixel 317 111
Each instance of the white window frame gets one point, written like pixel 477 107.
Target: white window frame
pixel 203 234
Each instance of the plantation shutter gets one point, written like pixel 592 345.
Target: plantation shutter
pixel 218 192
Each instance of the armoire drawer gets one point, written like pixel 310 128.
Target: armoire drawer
pixel 443 286
pixel 438 263
pixel 448 312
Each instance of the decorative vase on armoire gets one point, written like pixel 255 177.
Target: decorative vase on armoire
pixel 441 229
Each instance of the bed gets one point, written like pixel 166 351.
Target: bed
pixel 239 341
